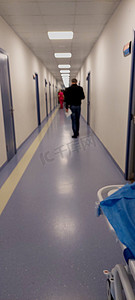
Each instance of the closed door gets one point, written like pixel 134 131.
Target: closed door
pixel 37 99
pixel 131 158
pixel 7 105
pixel 88 99
pixel 46 97
pixel 130 154
pixel 53 98
pixel 50 96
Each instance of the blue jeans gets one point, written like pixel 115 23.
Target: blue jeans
pixel 75 117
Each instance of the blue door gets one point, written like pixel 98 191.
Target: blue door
pixel 7 105
pixel 130 154
pixel 46 97
pixel 50 96
pixel 37 99
pixel 88 99
pixel 53 98
pixel 56 97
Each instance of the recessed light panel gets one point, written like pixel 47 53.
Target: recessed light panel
pixel 60 35
pixel 64 66
pixel 65 75
pixel 62 55
pixel 66 82
pixel 65 71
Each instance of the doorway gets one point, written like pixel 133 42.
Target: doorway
pixel 56 97
pixel 53 98
pixel 7 105
pixel 50 96
pixel 130 153
pixel 37 99
pixel 88 98
pixel 46 97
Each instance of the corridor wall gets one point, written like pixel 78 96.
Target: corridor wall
pixel 110 82
pixel 23 65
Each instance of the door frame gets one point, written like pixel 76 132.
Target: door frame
pixel 88 98
pixel 50 96
pixel 8 106
pixel 130 148
pixel 56 96
pixel 46 97
pixel 53 97
pixel 37 99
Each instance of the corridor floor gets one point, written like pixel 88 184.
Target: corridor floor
pixel 52 245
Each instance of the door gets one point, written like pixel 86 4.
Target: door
pixel 7 105
pixel 88 98
pixel 53 98
pixel 37 99
pixel 46 97
pixel 50 96
pixel 56 97
pixel 130 154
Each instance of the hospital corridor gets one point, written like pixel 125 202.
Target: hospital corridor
pixel 67 194
pixel 52 244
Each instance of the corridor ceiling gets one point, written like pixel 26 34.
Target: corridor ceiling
pixel 32 19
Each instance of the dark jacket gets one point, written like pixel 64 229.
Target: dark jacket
pixel 74 94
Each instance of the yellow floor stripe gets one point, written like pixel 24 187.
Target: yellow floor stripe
pixel 10 184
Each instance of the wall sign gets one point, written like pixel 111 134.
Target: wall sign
pixel 127 49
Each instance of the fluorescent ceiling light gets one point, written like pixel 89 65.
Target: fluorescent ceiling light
pixel 65 75
pixel 60 35
pixel 66 79
pixel 64 71
pixel 66 83
pixel 62 55
pixel 64 66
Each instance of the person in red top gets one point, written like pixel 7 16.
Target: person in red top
pixel 61 98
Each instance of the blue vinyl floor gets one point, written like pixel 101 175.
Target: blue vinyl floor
pixel 52 245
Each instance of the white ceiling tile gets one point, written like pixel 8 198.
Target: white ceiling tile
pixel 30 28
pixel 57 8
pixel 55 1
pixel 20 20
pixel 86 28
pixel 16 1
pixel 95 7
pixel 93 20
pixel 66 20
pixel 34 36
pixel 84 36
pixel 20 9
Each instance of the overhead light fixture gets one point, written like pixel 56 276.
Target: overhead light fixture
pixel 65 75
pixel 60 35
pixel 64 71
pixel 66 82
pixel 64 66
pixel 65 79
pixel 62 55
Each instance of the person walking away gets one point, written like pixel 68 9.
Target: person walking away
pixel 74 95
pixel 61 98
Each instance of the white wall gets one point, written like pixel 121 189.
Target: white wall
pixel 23 64
pixel 110 82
